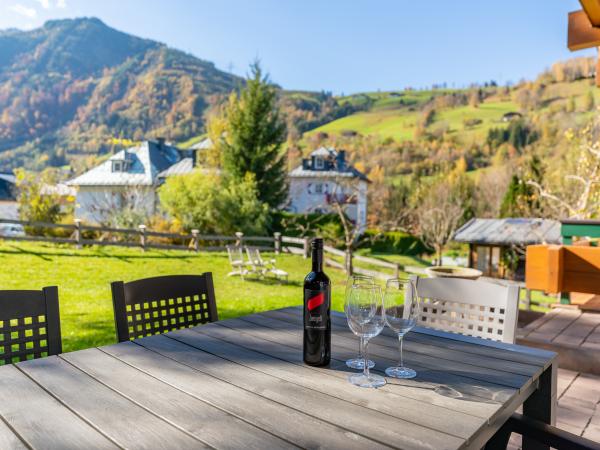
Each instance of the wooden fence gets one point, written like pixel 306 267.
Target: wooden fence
pixel 80 234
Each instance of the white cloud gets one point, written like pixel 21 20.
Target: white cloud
pixel 23 10
pixel 45 3
pixel 61 4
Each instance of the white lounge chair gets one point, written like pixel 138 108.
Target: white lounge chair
pixel 236 259
pixel 471 307
pixel 263 268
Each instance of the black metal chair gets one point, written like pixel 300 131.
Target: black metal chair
pixel 161 304
pixel 29 324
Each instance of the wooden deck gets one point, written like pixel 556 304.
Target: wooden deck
pixel 572 333
pixel 578 409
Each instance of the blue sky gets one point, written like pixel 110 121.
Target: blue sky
pixel 342 46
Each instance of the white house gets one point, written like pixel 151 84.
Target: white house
pixel 324 175
pixel 132 176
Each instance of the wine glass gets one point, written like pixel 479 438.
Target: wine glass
pixel 365 314
pixel 359 361
pixel 401 305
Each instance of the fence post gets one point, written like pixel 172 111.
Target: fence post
pixel 348 262
pixel 142 229
pixel 78 233
pixel 240 238
pixel 527 298
pixel 306 248
pixel 397 271
pixel 277 242
pixel 195 240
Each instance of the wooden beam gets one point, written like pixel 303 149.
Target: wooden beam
pixel 592 9
pixel 582 34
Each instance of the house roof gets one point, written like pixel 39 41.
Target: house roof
pixel 186 165
pixel 348 171
pixel 508 231
pixel 146 161
pixel 204 144
pixel 9 177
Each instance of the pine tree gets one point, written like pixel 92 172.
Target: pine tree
pixel 253 136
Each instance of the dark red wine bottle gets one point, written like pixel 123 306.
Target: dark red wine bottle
pixel 317 311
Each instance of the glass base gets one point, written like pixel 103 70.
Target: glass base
pixel 400 372
pixel 372 381
pixel 359 363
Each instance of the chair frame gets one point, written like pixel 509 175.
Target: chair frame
pixel 239 266
pixel 476 308
pixel 161 304
pixel 24 309
pixel 262 268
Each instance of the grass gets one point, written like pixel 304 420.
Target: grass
pixel 83 278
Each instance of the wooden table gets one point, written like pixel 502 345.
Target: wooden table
pixel 241 383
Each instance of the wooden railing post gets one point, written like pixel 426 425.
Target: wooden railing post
pixel 240 238
pixel 397 271
pixel 306 248
pixel 348 262
pixel 527 298
pixel 78 233
pixel 142 229
pixel 277 242
pixel 195 240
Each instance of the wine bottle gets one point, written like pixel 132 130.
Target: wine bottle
pixel 317 310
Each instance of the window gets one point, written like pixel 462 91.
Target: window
pixel 117 166
pixel 319 163
pixel 318 188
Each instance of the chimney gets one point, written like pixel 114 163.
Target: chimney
pixel 305 164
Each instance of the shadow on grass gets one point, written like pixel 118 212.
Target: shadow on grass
pixel 272 282
pixel 47 256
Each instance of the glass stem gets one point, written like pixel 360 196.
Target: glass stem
pixel 401 355
pixel 360 347
pixel 365 347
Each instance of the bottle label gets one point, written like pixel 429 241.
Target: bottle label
pixel 315 311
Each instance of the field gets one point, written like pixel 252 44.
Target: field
pixel 83 278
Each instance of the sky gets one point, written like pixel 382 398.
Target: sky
pixel 342 46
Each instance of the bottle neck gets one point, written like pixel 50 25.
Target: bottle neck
pixel 317 259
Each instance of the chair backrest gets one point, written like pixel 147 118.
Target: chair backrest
pixel 29 324
pixel 254 256
pixel 235 253
pixel 161 304
pixel 474 308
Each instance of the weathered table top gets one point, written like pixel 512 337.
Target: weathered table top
pixel 241 383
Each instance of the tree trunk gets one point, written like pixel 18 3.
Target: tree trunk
pixel 439 255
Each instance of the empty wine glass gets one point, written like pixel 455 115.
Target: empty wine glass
pixel 359 361
pixel 365 314
pixel 401 305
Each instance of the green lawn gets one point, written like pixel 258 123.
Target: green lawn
pixel 83 278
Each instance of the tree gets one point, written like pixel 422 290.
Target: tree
pixel 34 204
pixel 214 204
pixel 439 215
pixel 521 199
pixel 589 101
pixel 252 136
pixel 578 195
pixel 126 208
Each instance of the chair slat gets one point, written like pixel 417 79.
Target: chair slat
pixel 474 308
pixel 162 304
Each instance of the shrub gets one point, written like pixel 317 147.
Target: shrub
pixel 394 242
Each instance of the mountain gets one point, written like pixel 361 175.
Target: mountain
pixel 68 87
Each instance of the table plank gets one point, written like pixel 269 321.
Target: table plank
pixel 236 347
pixel 480 400
pixel 40 419
pixel 476 354
pixel 368 423
pixel 208 423
pixel 302 429
pixel 387 347
pixel 115 416
pixel 8 439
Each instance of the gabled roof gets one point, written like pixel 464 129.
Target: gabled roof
pixel 347 171
pixel 204 144
pixel 504 232
pixel 9 177
pixel 145 162
pixel 186 165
